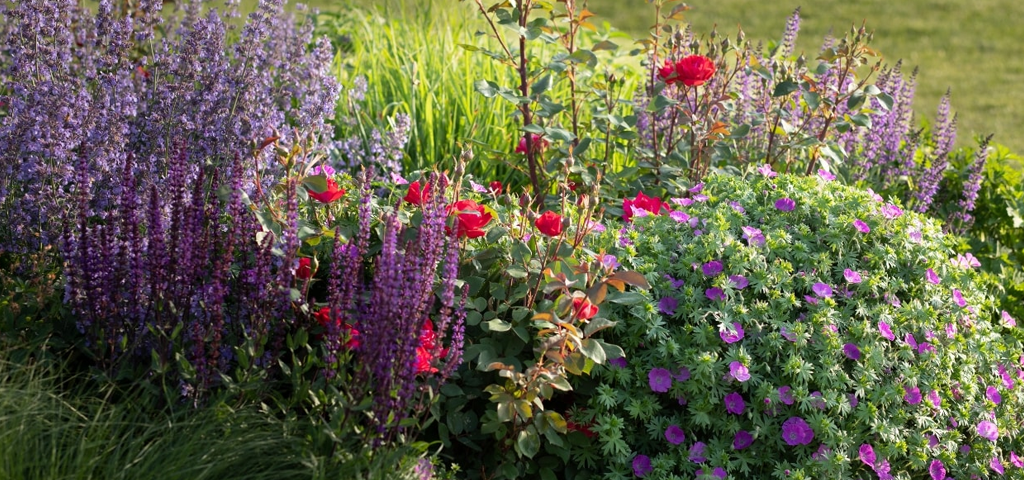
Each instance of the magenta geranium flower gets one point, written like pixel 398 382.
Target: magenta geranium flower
pixel 867 455
pixel 988 430
pixel 933 398
pixel 796 431
pixel 737 207
pixel 886 330
pixel 739 281
pixel 712 268
pixel 913 395
pixel 992 394
pixel 732 337
pixel 734 404
pixel 931 276
pixel 742 440
pixel 715 294
pixel 738 371
pixel 674 435
pixel 861 226
pixel 822 289
pixel 909 338
pixel 667 305
pixel 997 465
pixel 891 211
pixel 766 170
pixel 851 351
pixel 1008 321
pixel 826 175
pixel 642 465
pixel 680 217
pixel 697 453
pixel 1016 461
pixel 851 276
pixel 958 298
pixel 682 375
pixel 753 236
pixel 785 204
pixel 786 395
pixel 659 380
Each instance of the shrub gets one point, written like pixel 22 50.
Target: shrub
pixel 801 329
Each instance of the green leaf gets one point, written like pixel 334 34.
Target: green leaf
pixel 593 350
pixel 605 45
pixel 660 103
pixel 516 271
pixel 495 234
pixel 486 88
pixel 633 278
pixel 498 325
pixel 813 99
pixel 856 100
pixel 611 351
pixel 885 100
pixel 596 325
pixel 528 443
pixel 861 120
pixel 541 85
pixel 628 298
pixel 784 88
pixel 316 183
pixel 559 134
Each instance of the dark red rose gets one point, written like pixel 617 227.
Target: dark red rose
pixel 331 194
pixel 549 223
pixel 416 196
pixel 694 70
pixel 305 269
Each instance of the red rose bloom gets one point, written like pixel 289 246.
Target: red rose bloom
pixel 549 223
pixel 651 205
pixel 667 72
pixel 415 196
pixel 470 218
pixel 323 317
pixel 305 269
pixel 537 142
pixel 426 352
pixel 331 194
pixel 496 187
pixel 694 70
pixel 583 309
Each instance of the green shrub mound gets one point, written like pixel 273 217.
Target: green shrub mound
pixel 842 338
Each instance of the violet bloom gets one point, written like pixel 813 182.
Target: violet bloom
pixel 674 435
pixel 785 204
pixel 697 453
pixel 753 236
pixel 667 305
pixel 886 330
pixel 826 175
pixel 738 371
pixel 700 197
pixel 680 217
pixel 909 338
pixel 609 261
pixel 712 268
pixel 659 380
pixel 732 337
pixel 786 395
pixel 817 401
pixel 796 431
pixel 788 335
pixel 642 465
pixel 915 236
pixel 682 375
pixel 851 351
pixel 867 455
pixel 934 399
pixel 743 439
pixel 851 276
pixel 997 465
pixel 933 441
pixel 891 211
pixel 822 289
pixel 720 473
pixel 618 362
pixel 675 283
pixel 739 281
pixel 697 188
pixel 937 470
pixel 1016 461
pixel 737 207
pixel 913 395
pixel 958 298
pixel 992 394
pixel 766 170
pixel 811 300
pixel 988 430
pixel 734 404
pixel 1008 321
pixel 861 226
pixel 965 449
pixel 853 400
pixel 715 294
pixel 931 276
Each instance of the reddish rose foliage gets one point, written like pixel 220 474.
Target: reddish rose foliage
pixel 471 217
pixel 416 196
pixel 583 309
pixel 549 223
pixel 331 194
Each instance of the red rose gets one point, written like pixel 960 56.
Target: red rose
pixel 537 142
pixel 323 317
pixel 583 309
pixel 496 187
pixel 667 72
pixel 549 223
pixel 694 70
pixel 425 352
pixel 651 205
pixel 331 194
pixel 305 269
pixel 415 196
pixel 470 218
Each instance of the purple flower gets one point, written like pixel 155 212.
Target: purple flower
pixel 785 204
pixel 788 335
pixel 659 380
pixel 753 236
pixel 738 371
pixel 811 300
pixel 682 375
pixel 988 430
pixel 618 362
pixel 933 398
pixel 1016 461
pixel 712 268
pixel 700 197
pixel 851 276
pixel 967 261
pixel 697 453
pixel 737 207
pixel 853 400
pixel 913 395
pixel 861 226
pixel 925 347
pixel 997 465
pixel 766 170
pixel 909 338
pixel 641 465
pixel 867 454
pixel 734 404
pixel 731 337
pixel 796 431
pixel 820 454
pixel 886 330
pixel 817 401
pixel 891 211
pixel 720 473
pixel 667 305
pixel 680 217
pixel 609 261
pixel 743 439
pixel 882 469
pixel 851 351
pixel 675 283
pixel 785 395
pixel 965 449
pixel 958 298
pixel 932 440
pixel 822 290
pixel 992 393
pixel 931 276
pixel 1008 321
pixel 739 281
pixel 715 294
pixel 674 435
pixel 826 175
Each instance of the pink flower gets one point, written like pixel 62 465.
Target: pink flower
pixel 739 281
pixel 967 261
pixel 659 380
pixel 734 404
pixel 988 430
pixel 913 395
pixel 997 465
pixel 697 453
pixel 680 217
pixel 753 236
pixel 731 337
pixel 796 431
pixel 826 175
pixel 738 371
pixel 867 455
pixel 931 276
pixel 712 268
pixel 851 276
pixel 958 298
pixel 910 341
pixel 642 465
pixel 639 204
pixel 767 171
pixel 992 393
pixel 861 226
pixel 822 289
pixel 1016 461
pixel 785 204
pixel 886 330
pixel 674 435
pixel 1008 321
pixel 536 144
pixel 937 470
pixel 891 211
pixel 933 398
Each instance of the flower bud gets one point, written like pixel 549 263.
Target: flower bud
pixel 524 201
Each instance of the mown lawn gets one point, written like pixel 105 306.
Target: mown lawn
pixel 969 47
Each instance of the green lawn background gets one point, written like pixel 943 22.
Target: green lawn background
pixel 973 48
